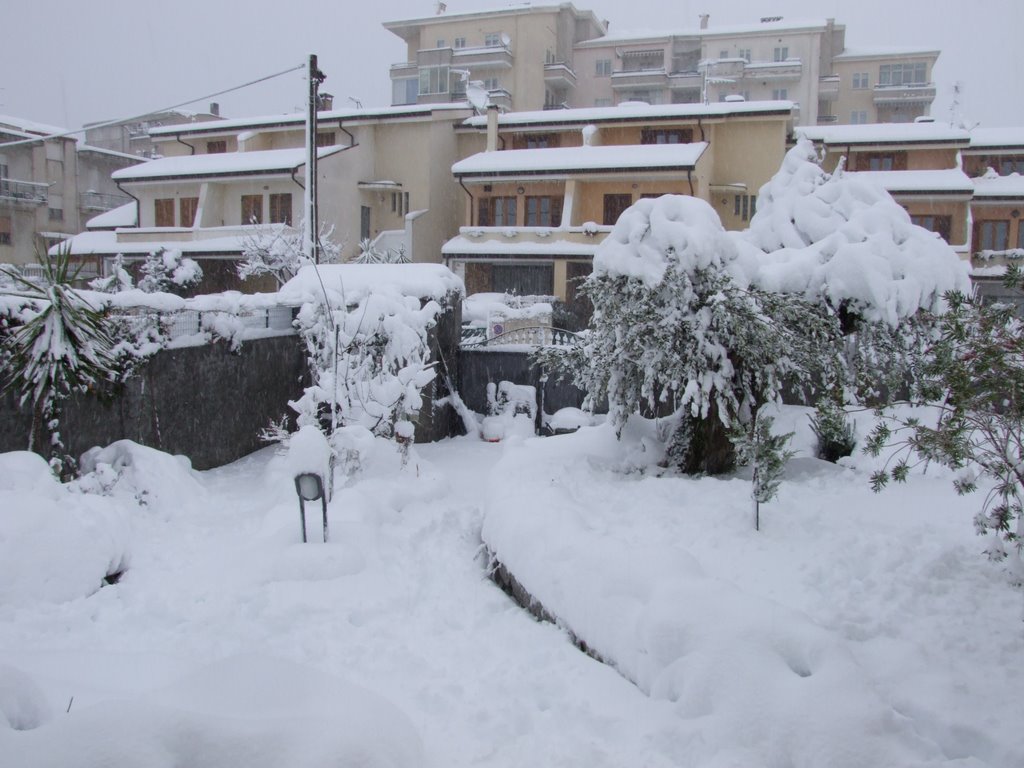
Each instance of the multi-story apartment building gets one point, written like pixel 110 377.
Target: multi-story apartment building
pixel 523 55
pixel 131 137
pixel 805 62
pixel 383 176
pixel 544 188
pixel 49 185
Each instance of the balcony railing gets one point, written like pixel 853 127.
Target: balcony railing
pixel 559 74
pixel 101 201
pixel 790 69
pixel 641 78
pixel 828 87
pixel 23 192
pixel 919 93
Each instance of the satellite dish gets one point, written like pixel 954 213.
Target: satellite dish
pixel 477 95
pixel 505 39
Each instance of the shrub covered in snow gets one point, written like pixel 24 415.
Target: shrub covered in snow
pixel 678 329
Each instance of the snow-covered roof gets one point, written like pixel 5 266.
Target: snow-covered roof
pixel 221 164
pixel 354 281
pixel 948 181
pixel 769 27
pixel 30 126
pixel 572 160
pixel 997 138
pixel 871 52
pixel 512 9
pixel 88 148
pixel 462 245
pixel 884 133
pixel 635 112
pixel 999 187
pixel 297 119
pixel 126 215
pixel 105 243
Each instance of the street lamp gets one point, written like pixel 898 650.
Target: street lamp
pixel 310 487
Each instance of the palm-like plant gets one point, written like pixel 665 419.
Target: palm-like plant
pixel 63 347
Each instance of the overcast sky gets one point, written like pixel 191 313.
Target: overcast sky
pixel 68 62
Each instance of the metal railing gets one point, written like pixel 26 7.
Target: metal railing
pixel 24 191
pixel 102 201
pixel 535 336
pixel 190 322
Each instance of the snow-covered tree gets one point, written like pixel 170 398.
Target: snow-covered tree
pixel 279 250
pixel 370 254
pixel 766 454
pixel 678 331
pixel 165 270
pixel 974 376
pixel 119 279
pixel 62 346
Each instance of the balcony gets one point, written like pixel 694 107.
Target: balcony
pixel 828 88
pixel 488 57
pixel 776 71
pixel 640 78
pixel 543 242
pixel 559 75
pixel 404 69
pixel 686 81
pixel 23 193
pixel 917 93
pixel 99 201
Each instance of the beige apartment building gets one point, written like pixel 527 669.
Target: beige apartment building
pixel 384 176
pixel 542 189
pixel 131 137
pixel 535 57
pixel 49 186
pixel 522 55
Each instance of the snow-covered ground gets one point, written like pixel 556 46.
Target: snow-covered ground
pixel 853 630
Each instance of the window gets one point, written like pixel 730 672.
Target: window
pixel 187 207
pixel 405 197
pixel 1020 236
pixel 364 222
pixel 4 173
pixel 666 136
pixel 5 230
pixel 992 235
pixel 743 53
pixel 1008 165
pixel 395 198
pixel 56 214
pixel 602 102
pixel 281 208
pixel 780 94
pixel 491 83
pixel 252 209
pixel 434 80
pixel 604 67
pixel 882 161
pixel 903 74
pixel 459 42
pixel 217 147
pixel 543 211
pixel 744 206
pixel 536 141
pixel 405 90
pixel 723 54
pixel 496 212
pixel 325 138
pixel 643 61
pixel 780 53
pixel 858 117
pixel 614 205
pixel 942 225
pixel 492 40
pixel 440 43
pixel 860 80
pixel 163 210
pixel 523 279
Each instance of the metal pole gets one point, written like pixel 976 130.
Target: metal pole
pixel 324 500
pixel 312 234
pixel 302 518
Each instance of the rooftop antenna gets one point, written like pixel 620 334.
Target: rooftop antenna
pixel 440 8
pixel 357 102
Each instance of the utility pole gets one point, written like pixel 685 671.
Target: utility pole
pixel 312 234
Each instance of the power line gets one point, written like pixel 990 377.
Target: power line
pixel 152 111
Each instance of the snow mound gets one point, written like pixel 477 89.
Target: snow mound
pixel 254 711
pixel 149 476
pixel 55 545
pixel 841 239
pixel 656 232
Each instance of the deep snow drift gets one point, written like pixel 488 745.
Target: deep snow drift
pixel 854 629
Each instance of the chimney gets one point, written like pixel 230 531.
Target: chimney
pixel 704 19
pixel 492 127
pixel 325 102
pixel 215 109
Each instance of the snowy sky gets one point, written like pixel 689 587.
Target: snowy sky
pixel 67 62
